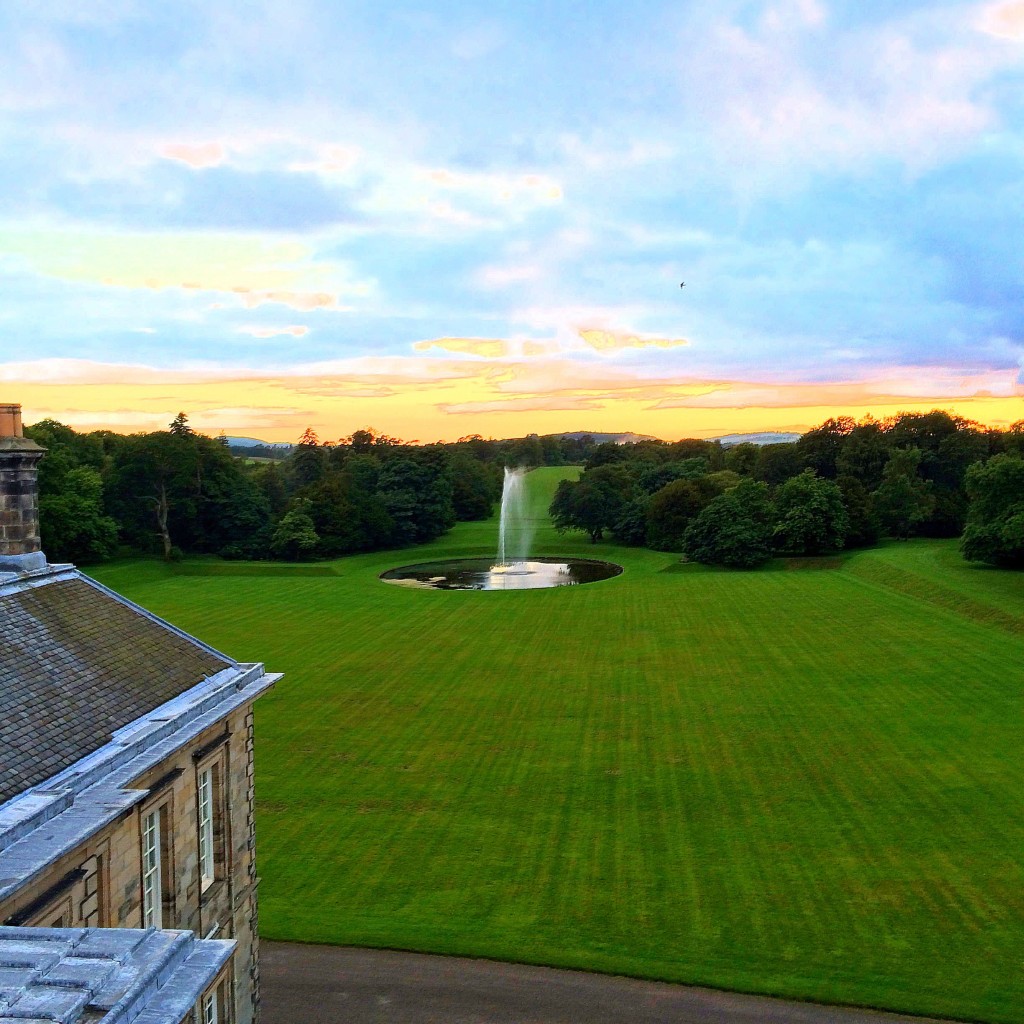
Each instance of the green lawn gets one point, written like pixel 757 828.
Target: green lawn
pixel 802 781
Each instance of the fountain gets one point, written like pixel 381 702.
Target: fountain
pixel 512 568
pixel 514 529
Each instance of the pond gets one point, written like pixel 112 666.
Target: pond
pixel 485 574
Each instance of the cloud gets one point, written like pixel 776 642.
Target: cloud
pixel 501 277
pixel 196 155
pixel 195 192
pixel 1004 19
pixel 533 349
pixel 295 331
pixel 899 385
pixel 303 301
pixel 255 269
pixel 545 403
pixel 491 348
pixel 784 100
pixel 611 341
pixel 331 160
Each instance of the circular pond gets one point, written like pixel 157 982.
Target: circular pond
pixel 485 574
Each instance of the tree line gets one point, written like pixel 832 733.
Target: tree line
pixel 177 491
pixel 841 485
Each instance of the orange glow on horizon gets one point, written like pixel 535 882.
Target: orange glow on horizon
pixel 279 409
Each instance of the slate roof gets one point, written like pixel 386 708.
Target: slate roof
pixel 77 663
pixel 104 975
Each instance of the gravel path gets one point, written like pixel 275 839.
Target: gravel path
pixel 342 985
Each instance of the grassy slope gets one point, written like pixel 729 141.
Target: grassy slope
pixel 799 782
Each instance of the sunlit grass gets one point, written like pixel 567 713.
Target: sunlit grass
pixel 800 782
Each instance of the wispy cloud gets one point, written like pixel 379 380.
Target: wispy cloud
pixel 491 348
pixel 611 341
pixel 294 331
pixel 1004 19
pixel 201 154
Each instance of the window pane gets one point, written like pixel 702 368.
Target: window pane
pixel 206 865
pixel 152 897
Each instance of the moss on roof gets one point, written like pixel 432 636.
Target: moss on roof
pixel 76 664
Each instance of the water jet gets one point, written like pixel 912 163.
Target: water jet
pixel 513 567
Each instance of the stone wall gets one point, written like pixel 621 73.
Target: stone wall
pixel 100 883
pixel 19 496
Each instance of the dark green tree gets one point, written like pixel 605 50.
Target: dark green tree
pixel 819 449
pixel 72 523
pixel 417 495
pixel 734 530
pixel 864 526
pixel 476 486
pixel 595 502
pixel 742 458
pixel 810 515
pixel 864 453
pixel 903 500
pixel 631 526
pixel 995 518
pixel 307 461
pixel 670 512
pixel 776 463
pixel 295 537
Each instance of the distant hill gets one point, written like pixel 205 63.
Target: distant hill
pixel 252 442
pixel 768 437
pixel 600 438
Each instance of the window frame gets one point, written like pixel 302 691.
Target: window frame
pixel 206 813
pixel 214 763
pixel 152 908
pixel 212 1007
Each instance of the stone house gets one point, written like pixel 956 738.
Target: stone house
pixel 128 884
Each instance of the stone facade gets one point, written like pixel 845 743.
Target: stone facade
pixel 99 884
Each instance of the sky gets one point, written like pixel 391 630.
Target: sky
pixel 443 219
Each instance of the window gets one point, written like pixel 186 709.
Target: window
pixel 212 1006
pixel 152 869
pixel 206 853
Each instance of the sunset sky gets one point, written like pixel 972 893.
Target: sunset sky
pixel 441 219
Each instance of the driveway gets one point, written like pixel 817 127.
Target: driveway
pixel 342 985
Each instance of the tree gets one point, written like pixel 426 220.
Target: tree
pixel 819 448
pixel 417 495
pixel 295 536
pixel 735 529
pixel 742 458
pixel 670 512
pixel 653 476
pixel 903 500
pixel 72 523
pixel 631 526
pixel 776 463
pixel 995 519
pixel 179 426
pixel 306 462
pixel 476 486
pixel 864 454
pixel 860 509
pixel 811 517
pixel 595 502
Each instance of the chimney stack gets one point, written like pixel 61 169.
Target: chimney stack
pixel 20 550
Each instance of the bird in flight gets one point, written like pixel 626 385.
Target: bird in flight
pixel 682 284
